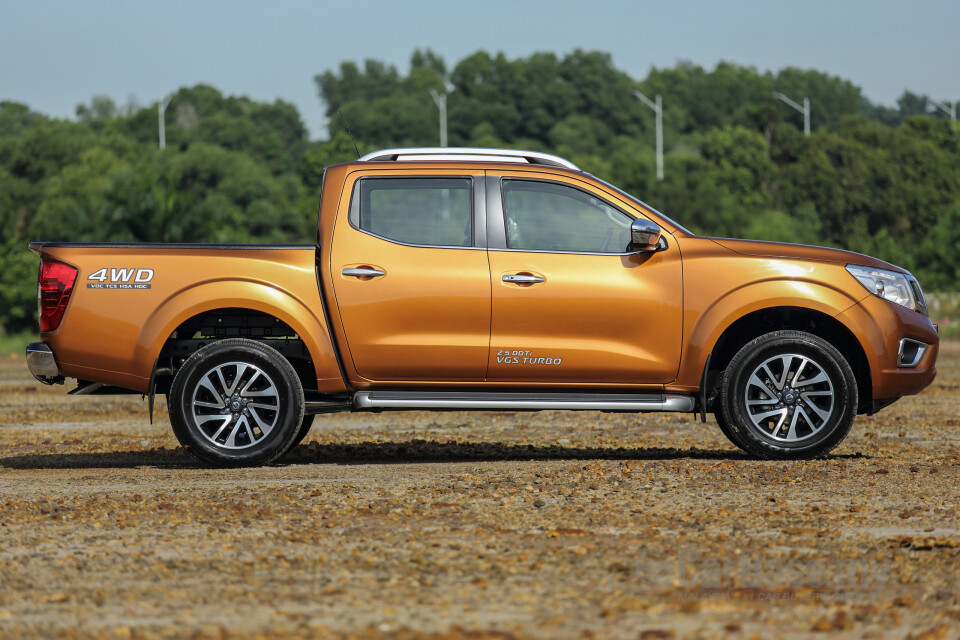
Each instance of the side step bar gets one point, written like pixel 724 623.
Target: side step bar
pixel 522 401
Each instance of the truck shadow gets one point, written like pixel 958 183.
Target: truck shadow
pixel 407 452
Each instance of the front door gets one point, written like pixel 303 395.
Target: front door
pixel 570 303
pixel 411 277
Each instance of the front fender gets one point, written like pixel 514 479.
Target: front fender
pixel 708 324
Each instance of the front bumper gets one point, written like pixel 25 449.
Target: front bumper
pixel 42 363
pixel 900 345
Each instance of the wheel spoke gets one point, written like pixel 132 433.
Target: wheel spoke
pixel 206 384
pixel 757 382
pixel 786 361
pixel 772 377
pixel 223 383
pixel 820 377
pixel 260 422
pixel 760 417
pixel 792 431
pixel 820 412
pixel 253 378
pixel 271 391
pixel 803 363
pixel 226 423
pixel 232 438
pixel 806 418
pixel 241 369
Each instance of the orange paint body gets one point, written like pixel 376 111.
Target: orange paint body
pixel 444 316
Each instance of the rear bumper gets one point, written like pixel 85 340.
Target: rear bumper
pixel 42 363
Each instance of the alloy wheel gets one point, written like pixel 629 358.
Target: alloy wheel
pixel 235 405
pixel 789 397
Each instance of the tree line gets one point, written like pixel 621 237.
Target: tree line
pixel 871 178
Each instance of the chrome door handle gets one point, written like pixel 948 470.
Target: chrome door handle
pixel 520 279
pixel 363 272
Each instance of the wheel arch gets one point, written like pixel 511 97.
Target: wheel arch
pixel 246 298
pixel 761 321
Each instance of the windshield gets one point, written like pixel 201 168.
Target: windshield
pixel 642 204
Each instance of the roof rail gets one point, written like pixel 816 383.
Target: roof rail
pixel 414 154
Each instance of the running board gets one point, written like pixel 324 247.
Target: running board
pixel 522 401
pixel 313 407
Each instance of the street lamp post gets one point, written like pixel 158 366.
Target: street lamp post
pixel 805 109
pixel 161 111
pixel 951 111
pixel 441 101
pixel 657 105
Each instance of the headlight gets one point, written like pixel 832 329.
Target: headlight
pixel 898 288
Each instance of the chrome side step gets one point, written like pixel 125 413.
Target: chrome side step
pixel 522 401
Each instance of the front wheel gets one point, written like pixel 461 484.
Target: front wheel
pixel 236 402
pixel 788 394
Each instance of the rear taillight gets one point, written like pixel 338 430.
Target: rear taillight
pixel 54 286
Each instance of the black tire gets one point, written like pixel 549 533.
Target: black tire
pixel 722 423
pixel 787 395
pixel 304 429
pixel 236 402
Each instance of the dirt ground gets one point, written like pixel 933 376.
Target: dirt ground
pixel 476 525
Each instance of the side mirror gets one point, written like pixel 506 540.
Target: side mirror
pixel 644 235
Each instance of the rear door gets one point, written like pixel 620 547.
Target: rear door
pixel 411 277
pixel 570 303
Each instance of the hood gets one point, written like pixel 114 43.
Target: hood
pixel 802 252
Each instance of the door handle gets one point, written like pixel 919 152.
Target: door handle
pixel 517 278
pixel 363 272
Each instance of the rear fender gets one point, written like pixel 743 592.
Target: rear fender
pixel 241 293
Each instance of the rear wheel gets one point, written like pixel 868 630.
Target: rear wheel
pixel 788 394
pixel 236 402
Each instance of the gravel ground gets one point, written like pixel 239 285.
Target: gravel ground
pixel 476 525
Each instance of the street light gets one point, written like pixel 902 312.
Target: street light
pixel 657 107
pixel 161 110
pixel 952 111
pixel 441 101
pixel 805 109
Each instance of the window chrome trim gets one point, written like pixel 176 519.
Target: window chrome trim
pixel 477 211
pixel 664 247
pixel 417 246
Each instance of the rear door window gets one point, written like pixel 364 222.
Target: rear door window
pixel 419 211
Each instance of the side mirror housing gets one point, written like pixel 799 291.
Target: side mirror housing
pixel 644 235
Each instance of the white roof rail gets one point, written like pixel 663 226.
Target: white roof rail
pixel 414 154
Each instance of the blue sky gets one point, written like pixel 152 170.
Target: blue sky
pixel 54 55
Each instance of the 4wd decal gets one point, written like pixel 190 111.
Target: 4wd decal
pixel 125 278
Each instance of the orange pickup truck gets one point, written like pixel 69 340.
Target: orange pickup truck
pixel 479 279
